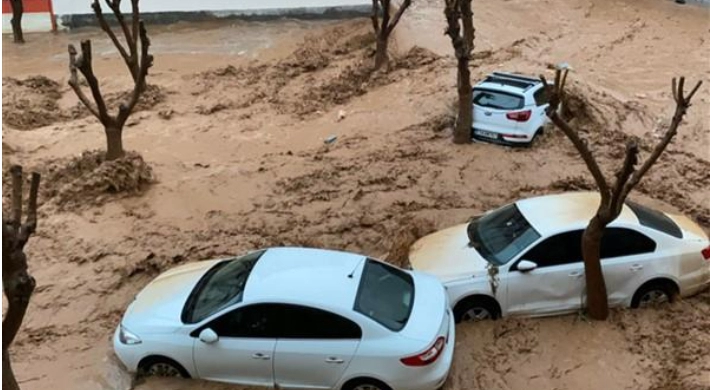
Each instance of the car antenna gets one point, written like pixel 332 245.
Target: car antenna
pixel 350 275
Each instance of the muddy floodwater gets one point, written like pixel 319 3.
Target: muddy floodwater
pixel 232 129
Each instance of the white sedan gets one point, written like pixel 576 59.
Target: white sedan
pixel 525 258
pixel 292 318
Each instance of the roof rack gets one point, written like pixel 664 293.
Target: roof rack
pixel 516 77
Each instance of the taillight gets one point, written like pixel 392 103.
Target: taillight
pixel 427 357
pixel 706 253
pixel 519 116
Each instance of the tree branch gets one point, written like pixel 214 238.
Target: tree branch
pixel 74 83
pixel 622 177
pixel 31 221
pixel 83 63
pixel 16 172
pixel 375 22
pixel 384 31
pixel 96 6
pixel 682 104
pixel 395 19
pixel 132 60
pixel 124 110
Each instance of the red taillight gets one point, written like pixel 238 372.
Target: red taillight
pixel 520 116
pixel 427 357
pixel 706 253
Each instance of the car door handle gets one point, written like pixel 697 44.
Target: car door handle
pixel 576 274
pixel 636 267
pixel 260 356
pixel 334 360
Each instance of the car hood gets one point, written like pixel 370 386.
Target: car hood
pixel 160 303
pixel 447 255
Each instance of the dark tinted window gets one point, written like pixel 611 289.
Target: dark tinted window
pixel 501 234
pixel 625 242
pixel 541 96
pixel 559 249
pixel 655 219
pixel 257 321
pixel 496 99
pixel 300 322
pixel 386 294
pixel 219 287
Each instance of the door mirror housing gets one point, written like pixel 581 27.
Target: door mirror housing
pixel 208 336
pixel 526 266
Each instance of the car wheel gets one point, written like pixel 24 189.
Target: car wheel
pixel 162 367
pixel 365 384
pixel 654 293
pixel 475 310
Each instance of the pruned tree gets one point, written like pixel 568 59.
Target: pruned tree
pixel 18 284
pixel 16 21
pixel 137 60
pixel 384 26
pixel 459 16
pixel 613 194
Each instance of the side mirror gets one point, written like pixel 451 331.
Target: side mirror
pixel 208 336
pixel 526 266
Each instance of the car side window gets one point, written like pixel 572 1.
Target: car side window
pixel 257 321
pixel 618 242
pixel 564 248
pixel 541 97
pixel 302 322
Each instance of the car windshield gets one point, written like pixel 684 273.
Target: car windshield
pixel 655 219
pixel 501 234
pixel 386 294
pixel 221 286
pixel 496 99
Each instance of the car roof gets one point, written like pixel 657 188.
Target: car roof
pixel 510 83
pixel 551 214
pixel 304 275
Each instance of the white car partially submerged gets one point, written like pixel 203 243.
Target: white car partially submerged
pixel 292 318
pixel 525 258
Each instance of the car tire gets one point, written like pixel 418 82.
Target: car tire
pixel 653 293
pixel 477 308
pixel 162 367
pixel 365 384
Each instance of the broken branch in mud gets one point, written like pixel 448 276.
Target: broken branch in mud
pixel 18 284
pixel 612 197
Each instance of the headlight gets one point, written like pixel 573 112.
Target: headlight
pixel 126 337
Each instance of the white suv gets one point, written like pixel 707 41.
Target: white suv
pixel 509 109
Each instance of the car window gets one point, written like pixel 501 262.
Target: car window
pixel 385 294
pixel 496 99
pixel 655 219
pixel 501 234
pixel 564 248
pixel 541 97
pixel 618 242
pixel 219 287
pixel 301 322
pixel 257 321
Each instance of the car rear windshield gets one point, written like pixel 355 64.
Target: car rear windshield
pixel 501 234
pixel 386 294
pixel 496 99
pixel 221 286
pixel 655 219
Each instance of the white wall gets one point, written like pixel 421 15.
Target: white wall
pixel 72 7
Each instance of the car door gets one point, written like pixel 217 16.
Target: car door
pixel 542 101
pixel 243 352
pixel 556 285
pixel 624 253
pixel 313 348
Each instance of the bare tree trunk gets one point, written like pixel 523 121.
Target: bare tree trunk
pixel 381 52
pixel 16 21
pixel 114 143
pixel 462 132
pixel 8 377
pixel 597 304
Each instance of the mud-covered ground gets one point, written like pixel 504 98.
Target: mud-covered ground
pixel 232 132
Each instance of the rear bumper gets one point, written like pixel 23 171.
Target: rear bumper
pixel 501 139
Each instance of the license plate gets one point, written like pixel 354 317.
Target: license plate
pixel 486 134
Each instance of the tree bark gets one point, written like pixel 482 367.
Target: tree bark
pixel 462 132
pixel 114 143
pixel 381 51
pixel 597 305
pixel 16 21
pixel 8 377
